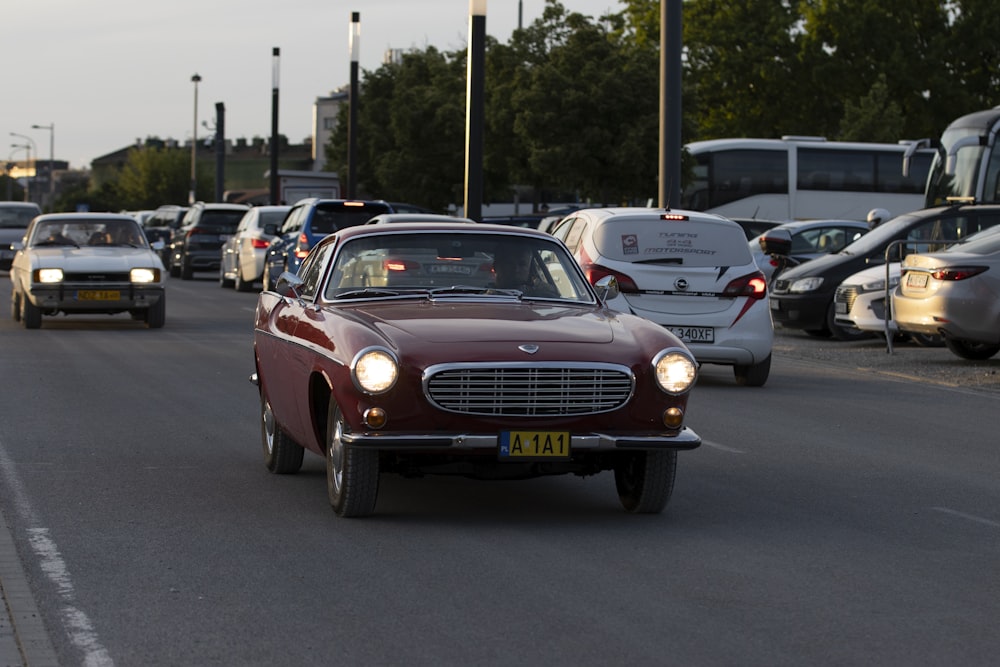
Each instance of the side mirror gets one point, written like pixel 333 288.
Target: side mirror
pixel 288 285
pixel 776 242
pixel 607 288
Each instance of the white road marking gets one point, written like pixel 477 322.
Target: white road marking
pixel 715 445
pixel 75 622
pixel 970 517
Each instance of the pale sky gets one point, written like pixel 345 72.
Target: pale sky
pixel 108 72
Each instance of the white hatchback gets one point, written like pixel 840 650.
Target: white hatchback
pixel 687 271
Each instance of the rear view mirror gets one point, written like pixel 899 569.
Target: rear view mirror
pixel 607 288
pixel 776 242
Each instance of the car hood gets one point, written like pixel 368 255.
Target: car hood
pixel 535 322
pixel 73 260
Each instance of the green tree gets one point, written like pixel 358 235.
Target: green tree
pixel 152 176
pixel 876 117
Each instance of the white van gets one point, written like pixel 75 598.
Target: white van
pixel 690 272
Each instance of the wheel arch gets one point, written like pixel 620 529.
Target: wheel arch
pixel 320 392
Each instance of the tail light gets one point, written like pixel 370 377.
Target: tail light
pixel 752 285
pixel 595 272
pixel 958 272
pixel 302 246
pixel 259 244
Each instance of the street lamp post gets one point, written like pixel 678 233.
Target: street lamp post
pixel 474 105
pixel 194 144
pixel 275 72
pixel 27 179
pixel 51 127
pixel 354 45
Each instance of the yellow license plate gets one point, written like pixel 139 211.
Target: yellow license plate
pixel 98 295
pixel 534 445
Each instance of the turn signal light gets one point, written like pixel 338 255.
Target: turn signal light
pixel 673 418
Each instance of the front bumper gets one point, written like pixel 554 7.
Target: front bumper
pixel 74 298
pixel 591 442
pixel 800 311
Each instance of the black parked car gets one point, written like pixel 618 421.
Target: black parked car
pixel 802 297
pixel 197 244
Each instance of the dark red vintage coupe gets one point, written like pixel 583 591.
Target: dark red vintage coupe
pixel 476 350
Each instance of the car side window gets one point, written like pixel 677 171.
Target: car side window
pixel 575 235
pixel 311 270
pixel 293 221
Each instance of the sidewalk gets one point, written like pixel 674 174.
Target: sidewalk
pixel 24 641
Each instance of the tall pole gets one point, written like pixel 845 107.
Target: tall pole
pixel 27 180
pixel 275 71
pixel 51 127
pixel 354 44
pixel 192 193
pixel 670 103
pixel 220 150
pixel 474 110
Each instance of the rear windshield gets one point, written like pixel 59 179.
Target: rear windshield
pixel 328 218
pixel 220 221
pixel 16 217
pixel 684 242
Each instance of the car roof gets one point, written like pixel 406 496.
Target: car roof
pixel 644 213
pixel 83 215
pixel 477 228
pixel 416 217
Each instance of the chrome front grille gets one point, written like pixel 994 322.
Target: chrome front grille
pixel 528 390
pixel 846 295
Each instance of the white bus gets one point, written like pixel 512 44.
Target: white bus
pixel 967 164
pixel 805 178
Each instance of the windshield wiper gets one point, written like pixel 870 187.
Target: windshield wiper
pixel 57 242
pixel 366 292
pixel 459 289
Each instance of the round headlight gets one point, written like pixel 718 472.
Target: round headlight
pixel 375 371
pixel 676 371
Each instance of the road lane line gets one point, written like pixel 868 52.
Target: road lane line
pixel 715 445
pixel 75 622
pixel 970 517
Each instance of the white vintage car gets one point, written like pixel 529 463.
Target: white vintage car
pixel 86 263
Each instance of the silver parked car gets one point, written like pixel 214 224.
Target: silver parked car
pixel 14 219
pixel 86 263
pixel 243 253
pixel 954 293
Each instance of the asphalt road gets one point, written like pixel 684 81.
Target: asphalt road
pixel 846 513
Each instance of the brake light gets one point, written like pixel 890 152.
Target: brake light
pixel 752 285
pixel 595 272
pixel 259 244
pixel 400 265
pixel 673 216
pixel 958 272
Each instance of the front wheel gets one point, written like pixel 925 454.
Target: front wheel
pixel 351 472
pixel 15 306
pixel 645 480
pixel 753 375
pixel 156 315
pixel 31 315
pixel 970 350
pixel 239 284
pixel 282 455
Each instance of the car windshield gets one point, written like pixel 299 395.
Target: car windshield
pixel 438 263
pixel 94 232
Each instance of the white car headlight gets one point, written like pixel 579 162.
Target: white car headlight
pixel 806 285
pixel 676 371
pixel 144 275
pixel 375 370
pixel 49 276
pixel 879 285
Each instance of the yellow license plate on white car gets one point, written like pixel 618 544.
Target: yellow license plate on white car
pixel 534 445
pixel 98 295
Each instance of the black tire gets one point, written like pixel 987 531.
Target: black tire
pixel 31 315
pixel 645 480
pixel 187 272
pixel 239 284
pixel 753 375
pixel 282 455
pixel 223 281
pixel 15 306
pixel 971 350
pixel 352 473
pixel 156 315
pixel 843 333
